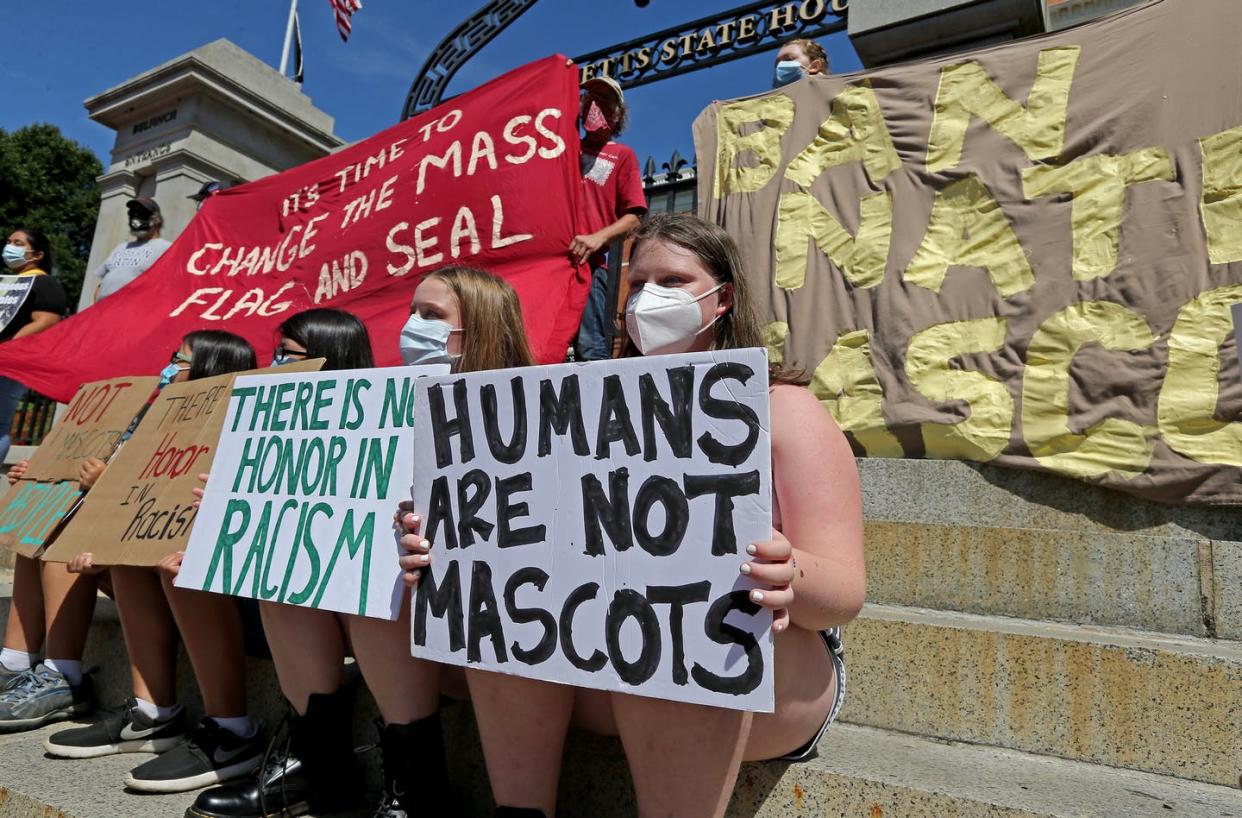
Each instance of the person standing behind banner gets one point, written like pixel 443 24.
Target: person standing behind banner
pixel 131 259
pixel 613 204
pixel 688 294
pixel 472 320
pixel 797 59
pixel 28 253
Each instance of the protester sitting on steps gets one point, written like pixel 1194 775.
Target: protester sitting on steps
pixel 684 758
pixel 472 320
pixel 226 743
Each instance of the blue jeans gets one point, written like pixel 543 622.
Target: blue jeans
pixel 592 343
pixel 10 394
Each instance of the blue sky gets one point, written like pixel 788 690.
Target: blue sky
pixel 73 49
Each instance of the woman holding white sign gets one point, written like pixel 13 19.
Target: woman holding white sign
pixel 472 320
pixel 688 294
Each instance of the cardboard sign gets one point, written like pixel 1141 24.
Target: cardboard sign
pixel 588 522
pixel 14 290
pixel 142 509
pixel 307 477
pixel 92 426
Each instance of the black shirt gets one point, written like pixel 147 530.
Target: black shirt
pixel 47 295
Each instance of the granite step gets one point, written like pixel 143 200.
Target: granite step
pixel 1165 704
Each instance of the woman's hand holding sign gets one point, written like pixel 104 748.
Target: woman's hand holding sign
pixel 408 524
pixel 772 565
pixel 89 472
pixel 84 563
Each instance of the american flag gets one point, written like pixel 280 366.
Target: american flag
pixel 343 9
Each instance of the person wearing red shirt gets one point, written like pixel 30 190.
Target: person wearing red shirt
pixel 613 204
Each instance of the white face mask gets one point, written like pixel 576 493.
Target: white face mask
pixel 425 341
pixel 665 320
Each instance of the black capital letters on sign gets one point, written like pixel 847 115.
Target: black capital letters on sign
pixel 576 597
pixel 725 487
pixel 441 512
pixel 675 422
pixel 626 603
pixel 506 511
pixel 445 601
pixel 443 429
pixel 561 413
pixel 612 510
pixel 512 451
pixel 717 452
pixel 614 421
pixel 547 643
pixel 676 515
pixel 484 615
pixel 678 597
pixel 469 522
pixel 722 633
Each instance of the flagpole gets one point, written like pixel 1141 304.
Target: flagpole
pixel 284 54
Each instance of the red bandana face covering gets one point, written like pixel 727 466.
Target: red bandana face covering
pixel 594 121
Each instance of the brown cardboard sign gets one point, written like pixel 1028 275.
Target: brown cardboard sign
pixel 92 426
pixel 96 419
pixel 142 509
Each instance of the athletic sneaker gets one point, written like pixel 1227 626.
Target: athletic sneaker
pixel 41 697
pixel 8 678
pixel 208 755
pixel 124 729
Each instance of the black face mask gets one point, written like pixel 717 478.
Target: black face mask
pixel 139 225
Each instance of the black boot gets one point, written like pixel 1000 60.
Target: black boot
pixel 313 767
pixel 415 771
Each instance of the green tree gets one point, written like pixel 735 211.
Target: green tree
pixel 47 182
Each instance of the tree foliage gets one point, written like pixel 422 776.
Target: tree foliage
pixel 47 182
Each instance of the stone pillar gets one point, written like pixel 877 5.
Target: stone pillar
pixel 214 114
pixel 889 31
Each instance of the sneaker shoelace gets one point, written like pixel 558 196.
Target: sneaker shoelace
pixel 31 683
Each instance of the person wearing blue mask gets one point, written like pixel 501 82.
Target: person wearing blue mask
pixel 797 59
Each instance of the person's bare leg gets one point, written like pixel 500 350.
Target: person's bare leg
pixel 684 758
pixel 68 605
pixel 150 633
pixel 522 723
pixel 806 686
pixel 308 648
pixel 405 689
pixel 25 629
pixel 211 627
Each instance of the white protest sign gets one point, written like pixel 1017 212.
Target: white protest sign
pixel 588 523
pixel 308 473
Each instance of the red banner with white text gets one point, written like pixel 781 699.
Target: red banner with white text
pixel 489 179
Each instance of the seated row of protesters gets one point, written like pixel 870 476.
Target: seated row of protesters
pixel 687 293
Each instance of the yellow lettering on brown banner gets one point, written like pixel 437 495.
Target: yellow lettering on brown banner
pixel 1113 444
pixel 967 228
pixel 861 257
pixel 855 131
pixel 985 431
pixel 774 335
pixel 774 114
pixel 1098 186
pixel 967 91
pixel 1191 387
pixel 846 384
pixel 1222 195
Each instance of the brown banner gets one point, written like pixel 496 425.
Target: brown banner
pixel 91 426
pixel 1023 255
pixel 142 508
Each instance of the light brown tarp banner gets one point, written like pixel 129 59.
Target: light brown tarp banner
pixel 92 426
pixel 142 508
pixel 1023 255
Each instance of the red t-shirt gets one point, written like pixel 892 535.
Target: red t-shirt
pixel 611 187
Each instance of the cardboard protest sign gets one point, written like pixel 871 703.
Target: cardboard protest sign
pixel 92 426
pixel 142 509
pixel 307 476
pixel 588 522
pixel 14 290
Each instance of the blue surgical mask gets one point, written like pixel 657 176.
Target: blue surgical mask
pixel 281 360
pixel 167 374
pixel 14 256
pixel 787 71
pixel 425 341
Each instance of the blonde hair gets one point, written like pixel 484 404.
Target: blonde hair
pixel 491 320
pixel 813 50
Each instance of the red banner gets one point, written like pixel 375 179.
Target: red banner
pixel 489 179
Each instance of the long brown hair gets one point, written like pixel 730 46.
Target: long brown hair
pixel 739 327
pixel 491 320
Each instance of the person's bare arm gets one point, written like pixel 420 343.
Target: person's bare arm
pixel 39 321
pixel 585 246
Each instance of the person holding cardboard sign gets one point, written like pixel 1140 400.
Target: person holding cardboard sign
pixel 152 612
pixel 458 315
pixel 688 294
